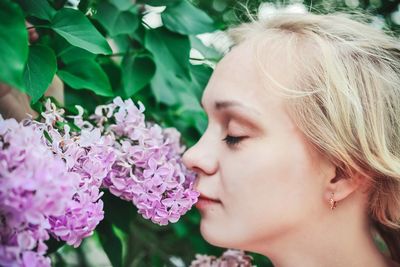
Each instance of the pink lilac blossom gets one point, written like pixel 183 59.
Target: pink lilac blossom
pixel 148 169
pixel 34 185
pixel 230 258
pixel 89 155
pixel 137 161
pixel 51 176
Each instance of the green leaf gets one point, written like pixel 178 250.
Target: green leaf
pixel 185 18
pixel 188 119
pixel 139 34
pixel 137 72
pixel 73 53
pixel 114 74
pixel 39 8
pixel 200 75
pixel 58 261
pixel 68 52
pixel 112 245
pixel 119 212
pixel 159 2
pixel 209 53
pixel 162 86
pixel 86 74
pixel 39 71
pixel 53 245
pixel 79 97
pixel 188 102
pixel 171 55
pixel 79 31
pixel 180 228
pixel 122 43
pixel 84 5
pixel 116 21
pixel 13 44
pixel 169 48
pixel 122 4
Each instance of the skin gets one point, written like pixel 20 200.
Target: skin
pixel 273 185
pixel 15 104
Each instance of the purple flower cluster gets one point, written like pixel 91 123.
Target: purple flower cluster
pixel 230 258
pixel 34 185
pixel 90 156
pixel 91 161
pixel 148 169
pixel 52 176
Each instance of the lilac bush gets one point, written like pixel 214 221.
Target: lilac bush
pixel 53 173
pixel 35 184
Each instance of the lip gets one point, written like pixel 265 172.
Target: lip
pixel 205 202
pixel 202 196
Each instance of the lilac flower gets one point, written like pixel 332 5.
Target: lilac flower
pixel 230 258
pixel 79 221
pixel 53 185
pixel 52 113
pixel 34 185
pixel 89 155
pixel 148 169
pixel 78 119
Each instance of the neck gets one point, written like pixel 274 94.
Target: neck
pixel 336 239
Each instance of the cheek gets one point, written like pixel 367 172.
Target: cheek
pixel 270 170
pixel 268 187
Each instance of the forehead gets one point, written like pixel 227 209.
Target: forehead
pixel 249 74
pixel 234 76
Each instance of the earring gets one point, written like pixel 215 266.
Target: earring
pixel 332 202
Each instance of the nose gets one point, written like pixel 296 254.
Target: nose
pixel 201 157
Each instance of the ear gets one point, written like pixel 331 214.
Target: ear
pixel 341 185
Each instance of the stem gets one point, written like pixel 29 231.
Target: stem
pixel 38 27
pixel 198 59
pixel 211 60
pixel 147 25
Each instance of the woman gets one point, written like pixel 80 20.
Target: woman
pixel 301 157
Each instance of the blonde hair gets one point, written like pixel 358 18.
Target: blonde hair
pixel 346 99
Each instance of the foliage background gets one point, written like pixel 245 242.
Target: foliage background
pixel 104 48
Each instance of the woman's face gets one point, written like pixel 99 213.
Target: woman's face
pixel 253 159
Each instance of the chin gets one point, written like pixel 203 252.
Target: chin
pixel 218 237
pixel 212 236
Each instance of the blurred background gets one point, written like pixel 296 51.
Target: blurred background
pixel 163 53
pixel 227 12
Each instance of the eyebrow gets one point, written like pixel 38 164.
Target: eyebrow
pixel 220 105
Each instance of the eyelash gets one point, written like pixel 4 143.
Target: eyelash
pixel 232 140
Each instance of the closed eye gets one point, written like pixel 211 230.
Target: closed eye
pixel 233 140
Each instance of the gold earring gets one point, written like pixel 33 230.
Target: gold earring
pixel 332 202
